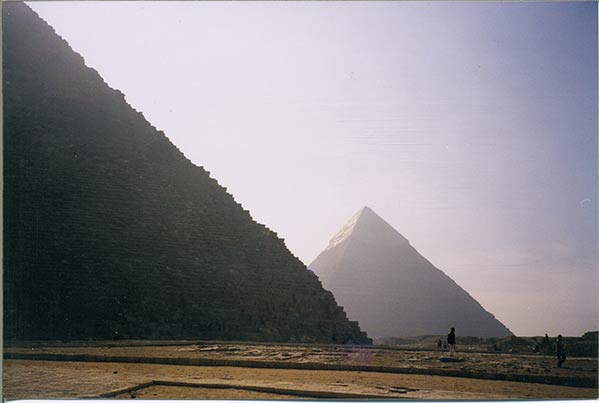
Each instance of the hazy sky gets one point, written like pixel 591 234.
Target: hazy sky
pixel 469 127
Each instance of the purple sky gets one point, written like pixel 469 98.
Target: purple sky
pixel 470 127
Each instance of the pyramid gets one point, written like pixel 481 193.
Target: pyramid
pixel 110 232
pixel 391 289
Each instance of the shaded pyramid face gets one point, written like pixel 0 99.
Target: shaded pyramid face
pixel 392 290
pixel 110 232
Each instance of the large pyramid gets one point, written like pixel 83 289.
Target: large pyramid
pixel 110 232
pixel 392 290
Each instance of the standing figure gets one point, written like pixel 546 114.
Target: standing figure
pixel 439 344
pixel 546 345
pixel 559 349
pixel 451 341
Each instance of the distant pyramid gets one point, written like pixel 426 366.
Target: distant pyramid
pixel 392 290
pixel 110 232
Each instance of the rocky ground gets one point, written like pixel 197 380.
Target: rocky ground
pixel 223 370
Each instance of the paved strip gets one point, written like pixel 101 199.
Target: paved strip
pixel 528 378
pixel 121 391
pixel 317 394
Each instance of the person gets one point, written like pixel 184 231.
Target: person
pixel 561 353
pixel 546 345
pixel 439 344
pixel 451 341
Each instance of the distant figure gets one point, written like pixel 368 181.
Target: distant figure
pixel 561 353
pixel 546 345
pixel 444 345
pixel 451 341
pixel 537 348
pixel 439 344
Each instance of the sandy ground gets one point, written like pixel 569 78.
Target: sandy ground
pixel 27 379
pixel 331 354
pixel 52 379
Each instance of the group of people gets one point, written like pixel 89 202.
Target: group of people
pixel 559 346
pixel 546 347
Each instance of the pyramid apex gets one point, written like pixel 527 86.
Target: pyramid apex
pixel 365 209
pixel 366 224
pixel 368 213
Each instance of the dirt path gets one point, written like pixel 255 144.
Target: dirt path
pixel 26 379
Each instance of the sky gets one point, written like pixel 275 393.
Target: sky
pixel 470 127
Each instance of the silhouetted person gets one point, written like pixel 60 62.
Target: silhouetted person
pixel 559 349
pixel 546 345
pixel 451 341
pixel 439 344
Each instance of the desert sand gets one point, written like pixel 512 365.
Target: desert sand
pixel 366 375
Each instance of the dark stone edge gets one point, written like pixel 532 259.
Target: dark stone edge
pixel 254 388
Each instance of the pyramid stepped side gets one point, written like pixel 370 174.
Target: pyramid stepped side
pixel 392 290
pixel 110 232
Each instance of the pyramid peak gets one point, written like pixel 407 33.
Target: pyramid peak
pixel 366 210
pixel 365 220
pixel 366 214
